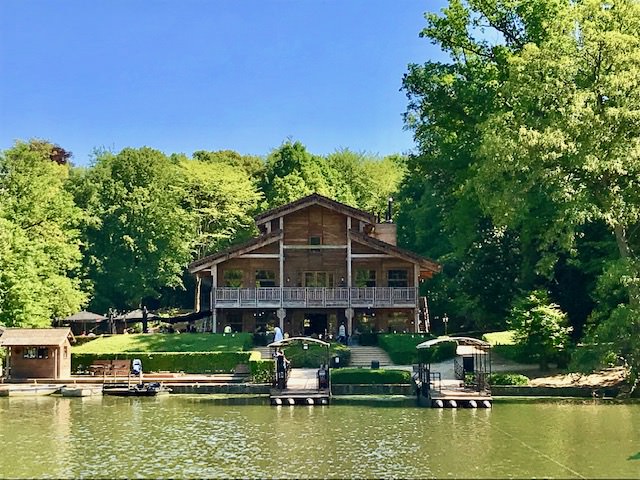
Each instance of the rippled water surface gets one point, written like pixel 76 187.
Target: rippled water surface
pixel 193 436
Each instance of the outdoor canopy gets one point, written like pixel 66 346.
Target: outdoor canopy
pixel 458 340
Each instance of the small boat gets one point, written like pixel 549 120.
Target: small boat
pixel 28 390
pixel 79 391
pixel 135 390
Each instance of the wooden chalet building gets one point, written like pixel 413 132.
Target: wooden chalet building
pixel 316 264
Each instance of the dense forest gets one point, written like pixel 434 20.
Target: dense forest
pixel 524 184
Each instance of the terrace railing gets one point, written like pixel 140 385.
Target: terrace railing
pixel 302 297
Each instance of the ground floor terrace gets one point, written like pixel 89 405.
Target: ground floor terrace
pixel 316 322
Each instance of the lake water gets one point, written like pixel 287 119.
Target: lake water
pixel 194 436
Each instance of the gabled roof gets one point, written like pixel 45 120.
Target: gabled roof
pixel 314 199
pixel 85 316
pixel 46 337
pixel 385 247
pixel 235 251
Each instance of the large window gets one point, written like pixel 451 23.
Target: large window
pixel 318 279
pixel 397 278
pixel 265 278
pixel 365 278
pixel 233 278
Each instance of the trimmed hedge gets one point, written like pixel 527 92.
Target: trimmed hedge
pixel 262 371
pixel 401 347
pixel 315 355
pixel 187 362
pixel 368 376
pixel 368 339
pixel 438 353
pixel 508 379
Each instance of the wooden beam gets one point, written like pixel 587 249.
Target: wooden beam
pixel 371 255
pixel 315 247
pixel 259 255
pixel 349 254
pixel 281 265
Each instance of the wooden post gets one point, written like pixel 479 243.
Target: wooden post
pixel 349 284
pixel 281 262
pixel 416 286
pixel 212 301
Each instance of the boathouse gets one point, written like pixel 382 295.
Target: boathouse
pixel 37 352
pixel 316 264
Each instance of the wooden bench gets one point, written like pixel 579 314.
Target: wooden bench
pixel 110 367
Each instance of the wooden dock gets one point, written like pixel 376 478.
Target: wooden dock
pixel 291 396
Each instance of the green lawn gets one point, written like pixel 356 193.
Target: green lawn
pixel 499 338
pixel 167 342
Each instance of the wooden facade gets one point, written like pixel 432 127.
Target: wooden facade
pixel 37 352
pixel 316 264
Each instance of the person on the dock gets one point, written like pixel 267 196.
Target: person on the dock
pixel 282 366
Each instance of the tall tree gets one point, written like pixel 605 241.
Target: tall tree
pixel 140 237
pixel 40 255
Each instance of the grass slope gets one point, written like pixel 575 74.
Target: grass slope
pixel 167 342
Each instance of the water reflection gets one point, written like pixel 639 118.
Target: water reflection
pixel 196 437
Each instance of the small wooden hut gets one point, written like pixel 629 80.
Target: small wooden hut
pixel 37 352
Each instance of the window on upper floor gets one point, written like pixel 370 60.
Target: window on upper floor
pixel 265 278
pixel 233 278
pixel 315 240
pixel 365 278
pixel 397 278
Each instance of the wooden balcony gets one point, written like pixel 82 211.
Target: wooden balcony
pixel 310 297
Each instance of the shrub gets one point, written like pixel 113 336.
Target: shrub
pixel 539 327
pixel 508 379
pixel 438 353
pixel 370 377
pixel 188 362
pixel 401 347
pixel 315 355
pixel 262 371
pixel 368 339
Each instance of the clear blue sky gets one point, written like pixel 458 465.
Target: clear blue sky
pixel 187 75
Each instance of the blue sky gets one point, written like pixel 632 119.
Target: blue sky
pixel 187 75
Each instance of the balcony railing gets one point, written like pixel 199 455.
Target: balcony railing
pixel 301 297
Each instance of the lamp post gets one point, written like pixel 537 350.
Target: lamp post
pixel 445 319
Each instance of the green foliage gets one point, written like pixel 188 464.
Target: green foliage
pixel 262 371
pixel 366 376
pixel 40 258
pixel 438 353
pixel 368 339
pixel 506 337
pixel 356 179
pixel 167 342
pixel 187 362
pixel 315 355
pixel 539 327
pixel 508 379
pixel 401 347
pixel 139 239
pixel 221 200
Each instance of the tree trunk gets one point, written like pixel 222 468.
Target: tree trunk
pixel 627 254
pixel 198 283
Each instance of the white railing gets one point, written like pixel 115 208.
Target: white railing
pixel 291 297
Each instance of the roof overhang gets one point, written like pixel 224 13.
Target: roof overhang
pixel 287 341
pixel 314 199
pixel 459 340
pixel 45 337
pixel 233 252
pixel 428 266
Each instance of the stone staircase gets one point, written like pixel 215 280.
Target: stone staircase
pixel 264 351
pixel 362 356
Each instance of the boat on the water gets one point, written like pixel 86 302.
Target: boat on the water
pixel 28 390
pixel 135 390
pixel 80 391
